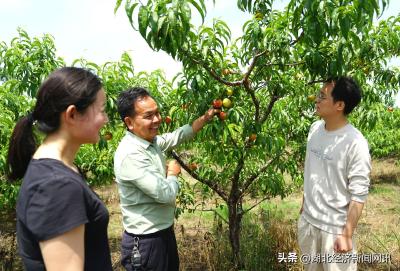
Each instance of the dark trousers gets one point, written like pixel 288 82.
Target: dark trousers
pixel 158 251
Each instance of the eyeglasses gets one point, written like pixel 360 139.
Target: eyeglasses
pixel 321 96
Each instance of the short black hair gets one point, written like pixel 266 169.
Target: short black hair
pixel 126 101
pixel 346 89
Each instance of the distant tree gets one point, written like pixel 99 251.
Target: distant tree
pixel 27 61
pixel 24 63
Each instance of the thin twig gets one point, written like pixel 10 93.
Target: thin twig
pixel 252 65
pixel 287 64
pixel 253 177
pixel 298 39
pixel 233 140
pixel 246 84
pixel 255 205
pixel 212 71
pixel 212 184
pixel 210 210
pixel 316 81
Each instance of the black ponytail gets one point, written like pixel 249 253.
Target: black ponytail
pixel 21 148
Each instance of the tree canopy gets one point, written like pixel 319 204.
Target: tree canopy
pixel 267 73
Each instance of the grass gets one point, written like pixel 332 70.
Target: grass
pixel 383 190
pixel 272 229
pixel 269 230
pixel 385 171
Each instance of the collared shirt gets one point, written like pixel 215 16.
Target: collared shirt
pixel 147 195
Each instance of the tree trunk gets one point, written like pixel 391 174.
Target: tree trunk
pixel 235 220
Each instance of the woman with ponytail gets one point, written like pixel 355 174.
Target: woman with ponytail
pixel 61 222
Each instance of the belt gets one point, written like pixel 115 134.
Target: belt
pixel 151 235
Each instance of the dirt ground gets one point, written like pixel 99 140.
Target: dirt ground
pixel 378 230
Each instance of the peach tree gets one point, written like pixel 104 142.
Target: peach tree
pixel 96 160
pixel 24 63
pixel 281 58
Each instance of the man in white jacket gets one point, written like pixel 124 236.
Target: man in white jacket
pixel 336 180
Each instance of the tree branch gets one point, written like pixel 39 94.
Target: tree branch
pixel 274 98
pixel 219 79
pixel 212 71
pixel 252 65
pixel 255 102
pixel 245 81
pixel 246 84
pixel 235 193
pixel 298 39
pixel 213 185
pixel 288 64
pixel 316 81
pixel 255 205
pixel 253 177
pixel 238 169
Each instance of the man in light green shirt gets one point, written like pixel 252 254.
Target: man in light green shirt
pixel 147 185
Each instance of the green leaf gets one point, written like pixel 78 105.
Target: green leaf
pixel 242 4
pixel 172 19
pixel 249 5
pixel 164 33
pixel 154 22
pixel 344 26
pixel 355 39
pixel 117 5
pixel 205 51
pixel 199 9
pixel 160 24
pixel 143 20
pixel 129 10
pixel 206 30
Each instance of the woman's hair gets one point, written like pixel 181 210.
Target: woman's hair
pixel 64 87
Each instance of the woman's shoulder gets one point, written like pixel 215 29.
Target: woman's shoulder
pixel 50 176
pixel 51 168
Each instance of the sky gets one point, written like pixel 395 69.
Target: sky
pixel 90 29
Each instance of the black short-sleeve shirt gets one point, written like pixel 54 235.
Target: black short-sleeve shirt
pixel 54 199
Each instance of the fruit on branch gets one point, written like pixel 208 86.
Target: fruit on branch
pixel 217 104
pixel 311 98
pixel 193 166
pixel 222 115
pixel 168 120
pixel 227 103
pixel 108 136
pixel 226 72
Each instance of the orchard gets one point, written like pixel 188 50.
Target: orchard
pixel 272 72
pixel 262 84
